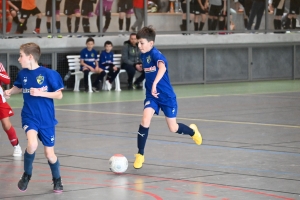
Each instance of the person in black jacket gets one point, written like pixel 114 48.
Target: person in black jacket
pixel 131 61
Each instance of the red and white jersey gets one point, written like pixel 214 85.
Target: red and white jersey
pixel 4 79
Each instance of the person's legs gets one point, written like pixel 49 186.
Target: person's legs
pixel 54 166
pixel 260 13
pixel 28 159
pixel 253 13
pixel 142 137
pixel 130 73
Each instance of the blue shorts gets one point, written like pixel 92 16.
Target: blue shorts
pixel 45 135
pixel 169 111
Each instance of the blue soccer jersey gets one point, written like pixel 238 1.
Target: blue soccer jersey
pixel 105 59
pixel 150 62
pixel 38 110
pixel 89 57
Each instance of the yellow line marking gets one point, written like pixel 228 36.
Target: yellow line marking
pixel 182 118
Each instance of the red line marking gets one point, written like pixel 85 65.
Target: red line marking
pixel 225 199
pixel 88 179
pixel 192 193
pixel 171 189
pixel 210 196
pixel 151 186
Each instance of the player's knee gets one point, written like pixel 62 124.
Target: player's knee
pixel 50 155
pixel 32 147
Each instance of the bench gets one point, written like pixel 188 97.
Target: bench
pixel 74 67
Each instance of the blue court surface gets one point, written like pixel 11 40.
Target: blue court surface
pixel 250 150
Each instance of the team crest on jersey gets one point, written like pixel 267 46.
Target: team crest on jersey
pixel 25 80
pixel 92 55
pixel 40 79
pixel 148 59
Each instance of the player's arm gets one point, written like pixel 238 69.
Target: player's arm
pixel 13 90
pixel 161 71
pixel 51 95
pixel 224 8
pixel 4 78
pixel 12 5
pixel 200 3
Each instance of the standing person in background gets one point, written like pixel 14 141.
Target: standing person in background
pixel 72 8
pixel 29 8
pixel 87 7
pixel 294 12
pixel 131 62
pixel 124 8
pixel 278 7
pixel 49 16
pixel 247 4
pixel 107 4
pixel 9 18
pixel 138 9
pixel 183 26
pixel 216 14
pixel 5 113
pixel 257 10
pixel 201 8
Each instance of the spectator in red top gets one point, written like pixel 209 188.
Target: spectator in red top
pixel 138 8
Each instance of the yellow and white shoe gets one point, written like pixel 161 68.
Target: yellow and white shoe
pixel 139 160
pixel 197 136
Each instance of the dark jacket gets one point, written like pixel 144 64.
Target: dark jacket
pixel 130 54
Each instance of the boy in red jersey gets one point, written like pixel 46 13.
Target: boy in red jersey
pixel 5 113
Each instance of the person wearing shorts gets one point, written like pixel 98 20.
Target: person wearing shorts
pixel 72 8
pixel 49 15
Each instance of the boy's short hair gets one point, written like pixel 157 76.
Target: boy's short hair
pixel 33 49
pixel 147 33
pixel 90 40
pixel 108 43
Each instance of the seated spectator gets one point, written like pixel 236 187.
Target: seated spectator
pixel 106 63
pixel 131 61
pixel 89 63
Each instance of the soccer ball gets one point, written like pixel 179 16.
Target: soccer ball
pixel 118 163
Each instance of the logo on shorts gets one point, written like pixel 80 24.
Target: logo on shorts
pixel 25 127
pixel 52 139
pixel 10 112
pixel 147 103
pixel 173 111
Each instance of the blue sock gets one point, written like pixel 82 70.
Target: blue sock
pixel 185 130
pixel 142 137
pixel 55 169
pixel 28 160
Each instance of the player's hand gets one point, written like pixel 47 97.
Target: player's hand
pixel 139 67
pixel 35 92
pixel 115 68
pixel 7 94
pixel 154 92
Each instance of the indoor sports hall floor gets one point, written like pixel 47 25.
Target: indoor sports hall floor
pixel 251 147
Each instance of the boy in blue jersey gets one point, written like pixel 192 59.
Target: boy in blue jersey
pixel 39 86
pixel 107 63
pixel 159 94
pixel 89 63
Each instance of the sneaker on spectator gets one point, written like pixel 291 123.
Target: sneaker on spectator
pixel 17 151
pixel 133 29
pixel 57 185
pixel 121 32
pixel 59 36
pixel 136 86
pixel 78 36
pixel 69 36
pixel 95 89
pixel 23 182
pixel 108 85
pixel 49 36
pixel 37 31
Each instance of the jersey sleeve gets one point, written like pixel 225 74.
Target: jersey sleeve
pixel 4 78
pixel 56 81
pixel 159 57
pixel 18 81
